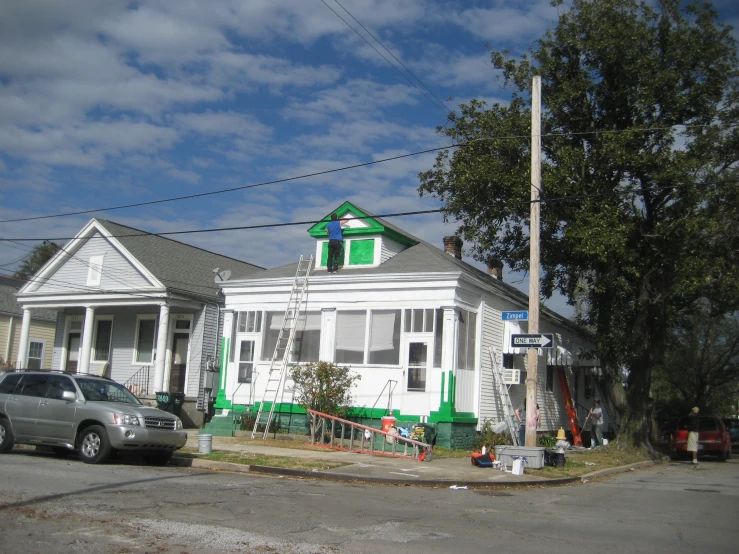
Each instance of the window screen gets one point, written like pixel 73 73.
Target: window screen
pixel 385 337
pixel 350 337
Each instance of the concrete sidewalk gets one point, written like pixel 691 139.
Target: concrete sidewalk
pixel 381 469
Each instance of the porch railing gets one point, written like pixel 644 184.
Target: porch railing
pixel 139 383
pixel 367 441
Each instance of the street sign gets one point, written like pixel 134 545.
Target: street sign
pixel 515 316
pixel 542 340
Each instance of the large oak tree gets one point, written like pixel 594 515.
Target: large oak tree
pixel 639 175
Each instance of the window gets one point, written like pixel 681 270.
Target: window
pixel 419 320
pixel 146 326
pixel 384 345
pixel 307 340
pixel 507 361
pixel 95 271
pixel 182 324
pixel 417 356
pixel 350 337
pixel 246 361
pixel 7 385
pixel 362 252
pixel 250 322
pixel 35 354
pixel 103 334
pixel 59 385
pixel 34 385
pixel 550 379
pixel 466 340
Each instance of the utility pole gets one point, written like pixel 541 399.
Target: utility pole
pixel 532 356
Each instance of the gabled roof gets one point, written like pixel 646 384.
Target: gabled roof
pixel 9 286
pixel 179 266
pixel 374 225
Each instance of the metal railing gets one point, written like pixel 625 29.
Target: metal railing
pixel 139 383
pixel 366 442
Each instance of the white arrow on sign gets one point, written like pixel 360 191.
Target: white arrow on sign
pixel 541 340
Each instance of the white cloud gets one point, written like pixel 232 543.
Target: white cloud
pixel 503 24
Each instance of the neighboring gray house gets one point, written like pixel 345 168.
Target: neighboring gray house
pixel 123 296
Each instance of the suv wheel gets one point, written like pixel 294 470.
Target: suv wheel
pixel 158 459
pixel 94 446
pixel 6 436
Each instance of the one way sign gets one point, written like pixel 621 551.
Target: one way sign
pixel 542 340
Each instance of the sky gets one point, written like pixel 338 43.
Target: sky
pixel 104 103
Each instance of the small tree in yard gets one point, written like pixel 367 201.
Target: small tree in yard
pixel 324 387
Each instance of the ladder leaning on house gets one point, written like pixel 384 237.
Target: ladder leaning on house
pixel 281 357
pixel 505 398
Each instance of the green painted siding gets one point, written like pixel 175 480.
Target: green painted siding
pixel 362 252
pixel 324 254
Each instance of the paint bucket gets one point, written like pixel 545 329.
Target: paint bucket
pixel 205 444
pixel 387 422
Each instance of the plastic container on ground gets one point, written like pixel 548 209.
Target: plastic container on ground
pixel 205 444
pixel 534 455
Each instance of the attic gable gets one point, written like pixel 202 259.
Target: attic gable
pixel 360 223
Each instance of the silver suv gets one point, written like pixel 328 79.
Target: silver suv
pixel 90 414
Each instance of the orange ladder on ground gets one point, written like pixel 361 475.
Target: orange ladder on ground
pixel 570 407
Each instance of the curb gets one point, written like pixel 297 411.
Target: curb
pixel 623 469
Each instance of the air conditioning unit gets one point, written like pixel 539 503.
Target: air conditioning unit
pixel 512 376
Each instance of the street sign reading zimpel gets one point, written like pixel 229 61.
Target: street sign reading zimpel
pixel 541 340
pixel 515 316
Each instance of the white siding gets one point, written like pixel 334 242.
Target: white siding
pixel 465 390
pixel 389 248
pixel 118 273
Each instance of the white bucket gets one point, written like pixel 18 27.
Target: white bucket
pixel 605 442
pixel 205 444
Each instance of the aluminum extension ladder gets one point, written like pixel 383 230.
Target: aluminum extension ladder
pixel 281 357
pixel 505 398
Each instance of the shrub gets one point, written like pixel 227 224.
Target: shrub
pixel 249 418
pixel 489 438
pixel 547 441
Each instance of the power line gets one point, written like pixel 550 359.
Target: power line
pixel 542 200
pixel 443 109
pixel 348 167
pixel 393 55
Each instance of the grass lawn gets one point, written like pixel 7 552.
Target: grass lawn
pixel 247 458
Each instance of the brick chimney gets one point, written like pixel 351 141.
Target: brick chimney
pixel 453 246
pixel 495 268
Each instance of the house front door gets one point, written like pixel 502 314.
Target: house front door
pixel 180 343
pixel 73 352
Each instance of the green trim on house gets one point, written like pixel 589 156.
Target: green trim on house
pixel 221 401
pixel 447 408
pixel 324 254
pixel 374 227
pixel 362 252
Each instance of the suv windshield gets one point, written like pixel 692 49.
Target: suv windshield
pixel 96 390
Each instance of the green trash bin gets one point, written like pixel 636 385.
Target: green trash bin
pixel 170 402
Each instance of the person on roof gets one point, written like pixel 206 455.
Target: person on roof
pixel 335 243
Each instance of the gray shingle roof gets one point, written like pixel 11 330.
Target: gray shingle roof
pixel 9 286
pixel 180 267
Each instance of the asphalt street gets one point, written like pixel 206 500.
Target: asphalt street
pixel 60 506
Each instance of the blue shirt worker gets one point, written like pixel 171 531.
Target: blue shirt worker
pixel 335 244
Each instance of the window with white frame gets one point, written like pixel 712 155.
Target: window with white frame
pixel 427 320
pixel 307 340
pixel 384 343
pixel 438 334
pixel 250 322
pixel 35 354
pixel 466 330
pixel 246 361
pixel 95 271
pixel 146 327
pixel 103 336
pixel 351 336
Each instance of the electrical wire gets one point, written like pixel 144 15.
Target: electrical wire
pixel 393 55
pixel 346 168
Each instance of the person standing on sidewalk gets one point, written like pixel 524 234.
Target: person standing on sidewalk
pixel 521 415
pixel 335 244
pixel 693 427
pixel 596 425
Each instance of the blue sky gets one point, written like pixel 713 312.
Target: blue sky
pixel 114 102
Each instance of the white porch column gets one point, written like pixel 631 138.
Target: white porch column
pixel 86 350
pixel 449 340
pixel 161 354
pixel 25 332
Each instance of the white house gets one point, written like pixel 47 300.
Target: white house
pixel 141 308
pixel 415 321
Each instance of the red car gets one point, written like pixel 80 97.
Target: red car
pixel 713 438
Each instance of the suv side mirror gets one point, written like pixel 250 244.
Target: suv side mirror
pixel 69 395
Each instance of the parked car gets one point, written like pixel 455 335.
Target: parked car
pixel 93 415
pixel 713 438
pixel 732 426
